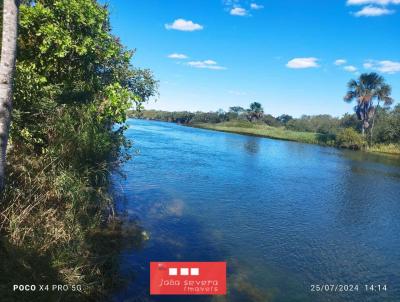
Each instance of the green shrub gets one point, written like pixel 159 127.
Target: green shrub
pixel 350 139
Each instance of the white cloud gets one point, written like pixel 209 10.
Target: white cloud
pixel 207 64
pixel 238 11
pixel 374 11
pixel 368 65
pixel 385 66
pixel 373 8
pixel 350 68
pixel 178 56
pixel 183 25
pixel 300 63
pixel 339 62
pixel 256 6
pixel 376 2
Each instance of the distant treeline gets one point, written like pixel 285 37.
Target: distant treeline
pixel 387 125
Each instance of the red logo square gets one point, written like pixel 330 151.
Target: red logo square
pixel 187 278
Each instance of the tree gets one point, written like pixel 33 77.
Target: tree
pixel 270 120
pixel 68 61
pixel 142 84
pixel 383 95
pixel 234 113
pixel 350 121
pixel 255 112
pixel 387 128
pixel 1 20
pixel 365 90
pixel 284 118
pixel 236 109
pixel 7 70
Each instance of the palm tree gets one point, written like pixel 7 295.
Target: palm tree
pixel 7 70
pixel 365 90
pixel 255 112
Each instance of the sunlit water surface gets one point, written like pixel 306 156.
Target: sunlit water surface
pixel 283 215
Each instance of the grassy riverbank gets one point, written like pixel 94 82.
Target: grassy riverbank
pixel 323 129
pixel 387 149
pixel 263 130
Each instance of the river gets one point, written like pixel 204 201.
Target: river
pixel 284 215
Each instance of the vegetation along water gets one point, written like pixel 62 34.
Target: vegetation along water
pixel 73 84
pixel 374 127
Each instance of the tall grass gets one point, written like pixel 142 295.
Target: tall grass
pixel 263 130
pixel 385 148
pixel 56 210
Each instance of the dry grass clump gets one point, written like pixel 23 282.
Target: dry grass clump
pixel 64 218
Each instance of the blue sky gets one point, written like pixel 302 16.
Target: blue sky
pixel 292 56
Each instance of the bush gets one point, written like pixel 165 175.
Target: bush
pixel 206 117
pixel 270 120
pixel 284 118
pixel 350 139
pixel 387 126
pixel 324 124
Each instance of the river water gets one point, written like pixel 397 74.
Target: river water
pixel 284 215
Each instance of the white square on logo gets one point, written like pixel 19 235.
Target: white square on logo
pixel 172 271
pixel 194 271
pixel 184 271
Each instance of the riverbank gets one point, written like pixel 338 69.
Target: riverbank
pixel 281 133
pixel 262 131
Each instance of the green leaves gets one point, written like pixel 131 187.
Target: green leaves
pixel 116 101
pixel 73 71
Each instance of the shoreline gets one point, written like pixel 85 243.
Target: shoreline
pixel 201 126
pixel 215 127
pixel 296 136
